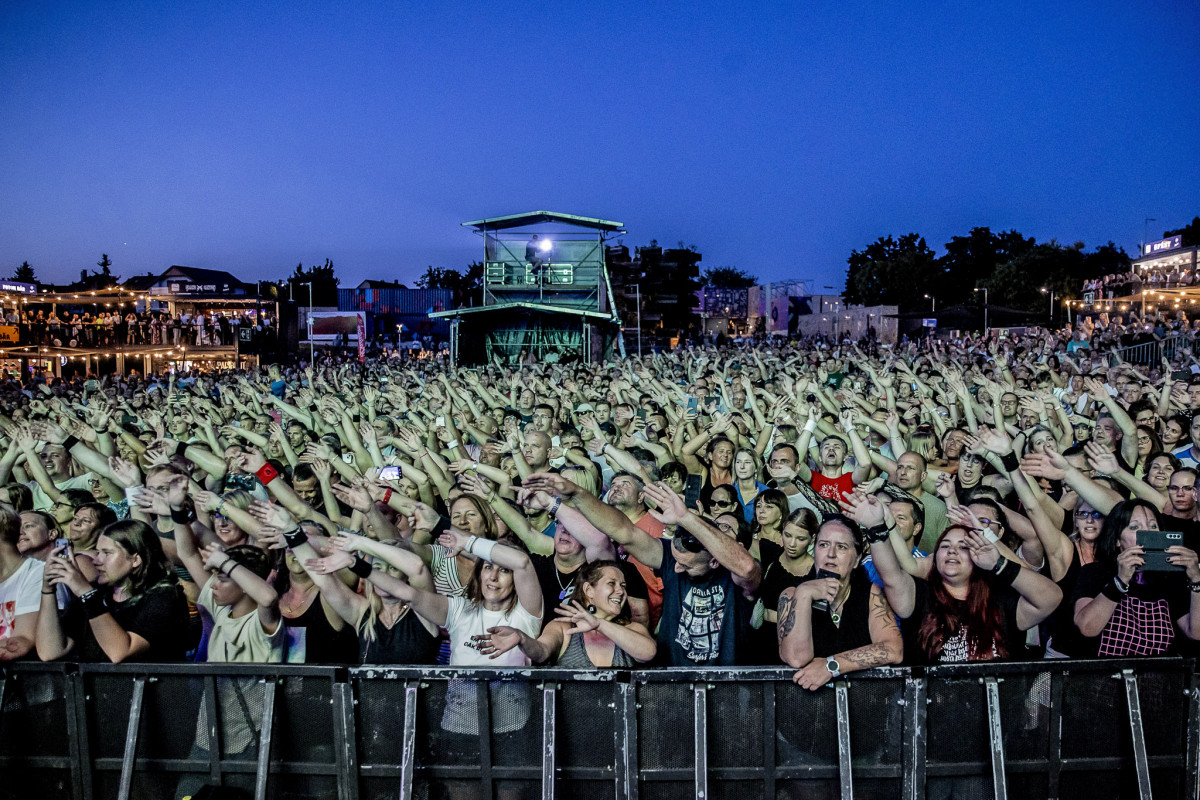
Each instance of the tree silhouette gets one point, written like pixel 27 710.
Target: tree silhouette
pixel 24 273
pixel 104 263
pixel 727 278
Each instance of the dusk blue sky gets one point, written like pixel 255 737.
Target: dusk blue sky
pixel 775 137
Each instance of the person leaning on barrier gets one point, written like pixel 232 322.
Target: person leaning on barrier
pixel 1131 611
pixel 829 626
pixel 709 580
pixel 974 606
pixel 136 612
pixel 389 631
pixel 593 629
pixel 20 578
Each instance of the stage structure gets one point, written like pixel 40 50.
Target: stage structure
pixel 545 291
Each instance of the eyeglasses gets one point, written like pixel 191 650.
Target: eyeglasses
pixel 721 503
pixel 987 521
pixel 725 527
pixel 686 541
pixel 1088 515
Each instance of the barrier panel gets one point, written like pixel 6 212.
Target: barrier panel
pixel 1062 729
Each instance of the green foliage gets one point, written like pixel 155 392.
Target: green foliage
pixel 727 278
pixel 1189 232
pixel 24 273
pixel 323 280
pixel 449 278
pixel 1013 267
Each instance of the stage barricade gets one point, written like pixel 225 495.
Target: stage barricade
pixel 1061 729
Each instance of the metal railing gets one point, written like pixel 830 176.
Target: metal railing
pixel 1043 729
pixel 1149 354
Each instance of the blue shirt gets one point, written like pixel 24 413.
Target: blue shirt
pixel 873 574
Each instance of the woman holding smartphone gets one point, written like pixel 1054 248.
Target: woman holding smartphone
pixel 1135 612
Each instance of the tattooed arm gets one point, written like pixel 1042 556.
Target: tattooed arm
pixel 886 647
pixel 794 625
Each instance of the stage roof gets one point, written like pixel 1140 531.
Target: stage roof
pixel 535 217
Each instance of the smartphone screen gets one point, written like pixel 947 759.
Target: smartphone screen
pixel 691 493
pixel 390 473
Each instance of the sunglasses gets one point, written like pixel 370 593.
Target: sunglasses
pixel 717 502
pixel 1088 515
pixel 687 542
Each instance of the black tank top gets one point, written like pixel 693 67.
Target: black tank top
pixel 322 644
pixel 855 627
pixel 406 642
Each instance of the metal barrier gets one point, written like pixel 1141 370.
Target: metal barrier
pixel 1150 354
pixel 1057 729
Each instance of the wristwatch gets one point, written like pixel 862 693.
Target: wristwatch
pixel 831 664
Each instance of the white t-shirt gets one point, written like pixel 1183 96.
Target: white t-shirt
pixel 20 594
pixel 465 620
pixel 42 501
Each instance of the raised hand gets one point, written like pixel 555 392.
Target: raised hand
pixel 581 621
pixel 864 509
pixel 272 514
pixel 671 508
pixel 331 563
pixel 498 641
pixel 454 541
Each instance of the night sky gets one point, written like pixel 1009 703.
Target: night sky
pixel 774 137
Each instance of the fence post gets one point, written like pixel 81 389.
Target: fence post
pixel 769 738
pixel 700 739
pixel 77 732
pixel 915 712
pixel 991 690
pixel 131 737
pixel 845 777
pixel 1192 778
pixel 266 729
pixel 345 738
pixel 1140 760
pixel 549 713
pixel 625 740
pixel 408 748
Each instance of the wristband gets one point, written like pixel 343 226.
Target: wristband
pixel 387 495
pixel 1193 587
pixel 877 533
pixel 1010 462
pixel 1113 591
pixel 52 591
pixel 554 508
pixel 183 516
pixel 482 548
pixel 443 525
pixel 69 442
pixel 811 425
pixel 361 567
pixel 1004 573
pixel 266 473
pixel 453 443
pixel 295 537
pixel 180 447
pixel 93 604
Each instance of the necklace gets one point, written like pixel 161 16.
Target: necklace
pixel 289 608
pixel 565 592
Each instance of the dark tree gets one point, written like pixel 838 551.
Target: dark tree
pixel 323 280
pixel 892 272
pixel 24 273
pixel 727 278
pixel 1189 232
pixel 104 263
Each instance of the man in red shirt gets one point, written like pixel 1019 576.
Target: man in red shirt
pixel 832 481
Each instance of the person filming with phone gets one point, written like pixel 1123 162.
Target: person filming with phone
pixel 1141 591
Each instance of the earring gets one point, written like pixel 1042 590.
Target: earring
pixel 591 609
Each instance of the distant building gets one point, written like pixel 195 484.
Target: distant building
pixel 667 281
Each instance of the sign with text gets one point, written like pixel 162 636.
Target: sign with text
pixel 18 287
pixel 1162 245
pixel 928 323
pixel 9 334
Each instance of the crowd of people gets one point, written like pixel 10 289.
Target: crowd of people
pixel 826 508
pixel 1131 284
pixel 126 326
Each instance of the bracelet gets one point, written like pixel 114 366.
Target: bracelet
pixel 1115 590
pixel 266 473
pixel 69 442
pixel 295 537
pixel 387 495
pixel 554 508
pixel 52 591
pixel 1004 573
pixel 183 516
pixel 1194 587
pixel 1010 461
pixel 877 533
pixel 221 566
pixel 361 567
